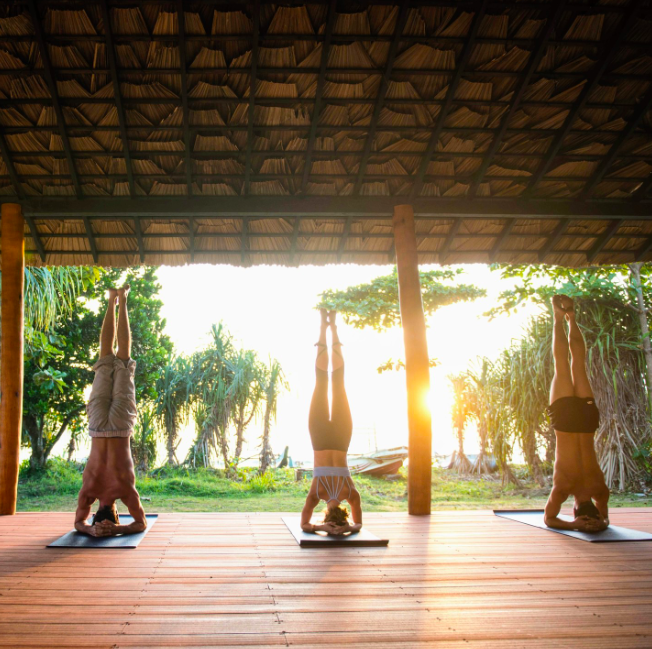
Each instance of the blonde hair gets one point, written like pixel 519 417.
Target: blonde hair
pixel 336 515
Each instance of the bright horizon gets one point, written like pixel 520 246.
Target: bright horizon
pixel 270 309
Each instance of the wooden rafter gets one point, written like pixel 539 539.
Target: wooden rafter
pixel 52 87
pixel 644 189
pixel 91 238
pixel 603 240
pixel 117 95
pixel 608 55
pixel 255 38
pixel 502 237
pixel 319 92
pixel 344 238
pixel 460 67
pixel 644 250
pixel 191 237
pixel 244 240
pixel 295 237
pixel 139 237
pixel 553 239
pixel 380 96
pixel 184 94
pixel 519 91
pixel 33 231
pixel 632 124
pixel 448 241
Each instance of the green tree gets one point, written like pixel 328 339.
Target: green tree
pixel 376 304
pixel 460 414
pixel 273 383
pixel 56 379
pixel 609 315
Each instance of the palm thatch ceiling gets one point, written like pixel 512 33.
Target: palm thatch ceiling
pixel 145 131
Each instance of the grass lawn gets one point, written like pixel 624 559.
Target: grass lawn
pixel 206 490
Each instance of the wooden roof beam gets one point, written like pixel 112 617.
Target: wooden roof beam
pixel 191 237
pixel 480 10
pixel 602 240
pixel 401 19
pixel 295 237
pixel 643 190
pixel 91 238
pixel 502 237
pixel 553 239
pixel 117 95
pixel 344 238
pixel 255 38
pixel 448 241
pixel 319 92
pixel 52 87
pixel 184 94
pixel 139 237
pixel 522 85
pixel 632 124
pixel 608 54
pixel 644 250
pixel 244 241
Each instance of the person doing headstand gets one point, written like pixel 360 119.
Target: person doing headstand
pixel 330 434
pixel 575 418
pixel 109 473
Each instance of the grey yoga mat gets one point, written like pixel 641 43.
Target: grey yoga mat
pixel 74 539
pixel 612 534
pixel 363 538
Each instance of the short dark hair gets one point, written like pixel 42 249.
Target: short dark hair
pixel 107 513
pixel 587 508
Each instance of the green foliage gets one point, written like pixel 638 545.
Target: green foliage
pixel 58 368
pixel 392 365
pixel 144 440
pixel 376 304
pixel 609 321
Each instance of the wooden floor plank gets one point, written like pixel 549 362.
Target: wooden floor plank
pixel 451 580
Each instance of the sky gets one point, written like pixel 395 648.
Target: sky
pixel 270 309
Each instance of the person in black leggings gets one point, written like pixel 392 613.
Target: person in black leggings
pixel 330 433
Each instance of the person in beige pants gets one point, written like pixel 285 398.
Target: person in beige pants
pixel 109 473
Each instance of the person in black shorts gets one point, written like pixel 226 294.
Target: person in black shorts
pixel 575 418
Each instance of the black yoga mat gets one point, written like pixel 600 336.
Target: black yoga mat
pixel 363 538
pixel 74 539
pixel 612 534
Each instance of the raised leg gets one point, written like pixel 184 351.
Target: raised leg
pixel 340 410
pixel 581 384
pixel 319 412
pixel 562 382
pixel 107 337
pixel 124 333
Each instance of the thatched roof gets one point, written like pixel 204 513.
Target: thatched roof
pixel 228 132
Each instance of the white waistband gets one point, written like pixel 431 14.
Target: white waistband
pixel 327 471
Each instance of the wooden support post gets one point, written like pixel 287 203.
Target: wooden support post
pixel 11 371
pixel 417 366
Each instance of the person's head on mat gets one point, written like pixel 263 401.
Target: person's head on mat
pixel 330 433
pixel 109 473
pixel 575 418
pixel 107 513
pixel 336 514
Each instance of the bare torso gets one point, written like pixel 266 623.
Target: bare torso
pixel 109 473
pixel 577 471
pixel 109 476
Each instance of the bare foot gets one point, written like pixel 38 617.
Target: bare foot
pixel 562 306
pixel 112 295
pixel 324 317
pixel 123 292
pixel 331 318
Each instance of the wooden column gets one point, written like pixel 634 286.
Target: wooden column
pixel 11 371
pixel 417 366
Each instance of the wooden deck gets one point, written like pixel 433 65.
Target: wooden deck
pixel 453 580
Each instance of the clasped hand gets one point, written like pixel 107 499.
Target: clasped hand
pixel 587 524
pixel 104 528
